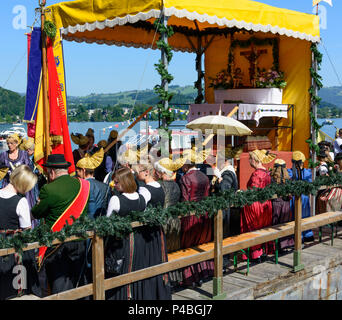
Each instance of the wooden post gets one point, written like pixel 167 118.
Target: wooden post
pixel 297 265
pixel 44 83
pixel 98 268
pixel 164 83
pixel 218 257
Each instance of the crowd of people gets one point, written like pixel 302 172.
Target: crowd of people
pixel 118 181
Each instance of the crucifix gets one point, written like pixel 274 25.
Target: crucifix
pixel 252 56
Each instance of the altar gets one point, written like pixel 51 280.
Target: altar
pixel 246 111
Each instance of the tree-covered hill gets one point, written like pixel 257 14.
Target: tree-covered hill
pixel 12 106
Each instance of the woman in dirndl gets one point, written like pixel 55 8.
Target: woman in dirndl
pixel 281 209
pixel 258 215
pixel 18 273
pixel 330 199
pixel 298 172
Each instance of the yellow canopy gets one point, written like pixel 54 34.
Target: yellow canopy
pixel 99 20
pixel 130 23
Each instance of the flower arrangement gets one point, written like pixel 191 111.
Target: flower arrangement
pixel 223 80
pixel 270 79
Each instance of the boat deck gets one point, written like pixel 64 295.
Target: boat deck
pixel 270 281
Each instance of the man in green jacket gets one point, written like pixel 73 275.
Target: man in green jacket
pixel 61 199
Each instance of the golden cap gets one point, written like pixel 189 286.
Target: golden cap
pixel 3 172
pixel 264 156
pixel 170 165
pixel 279 161
pixel 79 139
pixel 102 144
pixel 195 156
pixel 27 144
pixel 298 155
pixel 91 162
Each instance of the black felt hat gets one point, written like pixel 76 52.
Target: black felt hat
pixel 57 161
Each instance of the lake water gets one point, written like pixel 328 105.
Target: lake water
pixel 102 129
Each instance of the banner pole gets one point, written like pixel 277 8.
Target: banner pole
pixel 44 82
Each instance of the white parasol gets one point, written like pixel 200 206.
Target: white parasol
pixel 231 126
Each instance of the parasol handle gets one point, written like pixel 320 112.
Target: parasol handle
pixel 128 128
pixel 205 142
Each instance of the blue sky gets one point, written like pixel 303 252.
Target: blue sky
pixel 103 69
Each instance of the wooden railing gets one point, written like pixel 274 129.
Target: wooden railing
pixel 214 250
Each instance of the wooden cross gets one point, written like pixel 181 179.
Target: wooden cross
pixel 252 56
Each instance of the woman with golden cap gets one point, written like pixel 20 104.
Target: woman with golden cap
pixel 281 208
pixel 298 172
pixel 13 158
pixel 165 174
pixel 258 215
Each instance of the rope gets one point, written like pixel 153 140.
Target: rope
pixel 15 68
pixel 142 76
pixel 332 65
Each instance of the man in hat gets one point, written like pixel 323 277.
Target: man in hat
pixel 61 201
pixel 99 191
pixel 98 199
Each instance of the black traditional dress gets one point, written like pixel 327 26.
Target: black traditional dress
pixel 13 284
pixel 172 228
pixel 144 247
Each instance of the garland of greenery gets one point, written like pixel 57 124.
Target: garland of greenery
pixel 50 29
pixel 164 95
pixel 155 216
pixel 315 100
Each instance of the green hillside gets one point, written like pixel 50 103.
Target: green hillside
pixel 183 95
pixel 109 106
pixel 12 106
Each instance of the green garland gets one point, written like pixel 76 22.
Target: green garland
pixel 315 100
pixel 50 29
pixel 164 95
pixel 121 226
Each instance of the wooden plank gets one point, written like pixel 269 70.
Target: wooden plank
pixel 98 268
pixel 72 294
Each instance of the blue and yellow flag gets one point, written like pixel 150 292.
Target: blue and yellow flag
pixel 34 76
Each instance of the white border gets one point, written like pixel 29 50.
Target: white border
pixel 179 14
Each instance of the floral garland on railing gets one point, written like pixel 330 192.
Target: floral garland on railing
pixel 120 226
pixel 315 99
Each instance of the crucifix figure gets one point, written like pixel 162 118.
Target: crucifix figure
pixel 252 56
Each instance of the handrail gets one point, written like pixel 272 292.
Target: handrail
pixel 235 243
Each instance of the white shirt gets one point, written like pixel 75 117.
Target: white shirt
pixel 114 202
pixel 337 144
pixel 145 193
pixel 23 209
